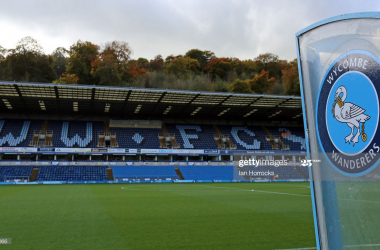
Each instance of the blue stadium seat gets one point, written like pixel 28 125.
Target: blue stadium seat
pixel 207 172
pixel 142 172
pixel 72 173
pixel 6 172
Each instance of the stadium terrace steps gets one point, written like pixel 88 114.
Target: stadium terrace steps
pixel 167 140
pixel 294 138
pixel 33 176
pixel 304 170
pixel 269 138
pixel 109 174
pixel 301 173
pixel 180 176
pixel 218 133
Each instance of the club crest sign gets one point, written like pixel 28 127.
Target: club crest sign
pixel 348 113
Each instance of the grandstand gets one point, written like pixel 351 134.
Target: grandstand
pixel 64 133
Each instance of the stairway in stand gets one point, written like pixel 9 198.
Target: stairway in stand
pixel 301 173
pixel 109 174
pixel 217 136
pixel 167 140
pixel 180 176
pixel 33 176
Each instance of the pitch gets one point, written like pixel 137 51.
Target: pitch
pixel 157 216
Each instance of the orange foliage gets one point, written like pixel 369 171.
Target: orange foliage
pixel 134 71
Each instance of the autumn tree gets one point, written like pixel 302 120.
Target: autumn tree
pixel 261 83
pixel 105 68
pixel 219 85
pixel 67 78
pixel 221 66
pixel 269 62
pixel 27 62
pixel 120 50
pixel 143 63
pixel 60 55
pixel 290 79
pixel 81 55
pixel 240 86
pixel 133 71
pixel 111 64
pixel 3 53
pixel 183 66
pixel 170 58
pixel 247 69
pixel 203 57
pixel 157 64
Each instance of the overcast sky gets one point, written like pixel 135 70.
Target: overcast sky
pixel 242 29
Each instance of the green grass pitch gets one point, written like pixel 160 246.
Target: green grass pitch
pixel 157 216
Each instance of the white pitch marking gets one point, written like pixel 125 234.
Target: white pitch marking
pixel 280 193
pixel 260 191
pixel 129 188
pixel 191 190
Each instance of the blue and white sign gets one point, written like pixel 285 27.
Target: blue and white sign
pixel 348 113
pixel 339 69
pixel 46 149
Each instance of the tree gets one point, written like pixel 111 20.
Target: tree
pixel 3 53
pixel 27 62
pixel 183 66
pixel 105 68
pixel 133 71
pixel 157 64
pixel 143 63
pixel 60 55
pixel 248 68
pixel 290 79
pixel 28 45
pixel 219 85
pixel 169 59
pixel 261 83
pixel 82 54
pixel 268 62
pixel 203 57
pixel 120 51
pixel 67 78
pixel 221 66
pixel 240 86
pixel 111 64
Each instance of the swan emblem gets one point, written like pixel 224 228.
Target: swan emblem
pixel 350 114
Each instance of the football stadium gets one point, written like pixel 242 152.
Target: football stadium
pixel 94 167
